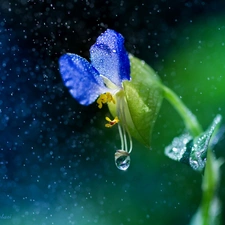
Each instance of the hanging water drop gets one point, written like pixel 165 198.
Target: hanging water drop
pixel 122 160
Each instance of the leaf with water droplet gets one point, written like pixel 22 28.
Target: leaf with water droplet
pixel 199 150
pixel 192 151
pixel 180 148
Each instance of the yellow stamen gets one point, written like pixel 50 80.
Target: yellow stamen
pixel 111 122
pixel 104 98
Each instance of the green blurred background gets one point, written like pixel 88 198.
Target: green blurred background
pixel 56 158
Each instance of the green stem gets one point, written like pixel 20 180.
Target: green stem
pixel 188 117
pixel 210 205
pixel 206 214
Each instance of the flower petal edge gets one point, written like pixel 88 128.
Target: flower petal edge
pixel 109 57
pixel 81 78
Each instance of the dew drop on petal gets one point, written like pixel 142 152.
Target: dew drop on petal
pixel 122 160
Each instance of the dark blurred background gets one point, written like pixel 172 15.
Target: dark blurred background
pixel 56 157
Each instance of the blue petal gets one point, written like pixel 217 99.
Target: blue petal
pixel 81 78
pixel 110 58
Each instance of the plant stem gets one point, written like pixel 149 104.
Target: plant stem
pixel 188 117
pixel 209 208
pixel 210 205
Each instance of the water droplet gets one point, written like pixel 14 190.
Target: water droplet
pixel 179 146
pixel 122 160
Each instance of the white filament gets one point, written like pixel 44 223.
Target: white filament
pixel 123 132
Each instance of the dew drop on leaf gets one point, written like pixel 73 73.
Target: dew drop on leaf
pixel 179 147
pixel 193 151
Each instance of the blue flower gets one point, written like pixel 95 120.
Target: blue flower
pixel 103 78
pixel 107 78
pixel 109 67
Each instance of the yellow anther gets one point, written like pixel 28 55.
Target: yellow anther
pixel 110 97
pixel 111 122
pixel 104 98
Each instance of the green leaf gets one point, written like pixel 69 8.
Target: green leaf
pixel 192 151
pixel 144 96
